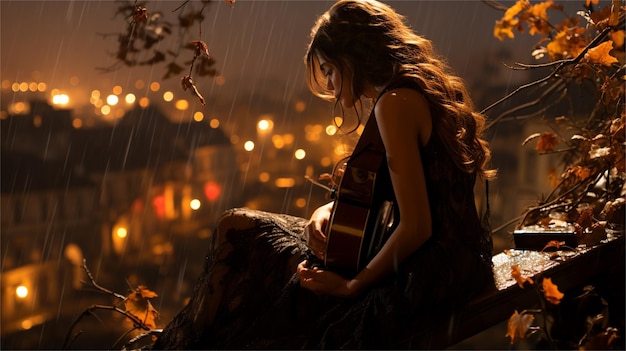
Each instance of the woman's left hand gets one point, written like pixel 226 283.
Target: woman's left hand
pixel 324 282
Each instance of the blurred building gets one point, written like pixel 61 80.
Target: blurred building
pixel 131 193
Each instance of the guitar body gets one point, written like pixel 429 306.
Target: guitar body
pixel 361 218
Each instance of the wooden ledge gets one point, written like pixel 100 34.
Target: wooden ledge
pixel 567 269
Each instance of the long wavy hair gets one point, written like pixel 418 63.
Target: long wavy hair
pixel 373 42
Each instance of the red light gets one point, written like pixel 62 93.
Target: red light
pixel 159 205
pixel 212 191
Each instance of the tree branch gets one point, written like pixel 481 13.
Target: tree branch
pixel 561 65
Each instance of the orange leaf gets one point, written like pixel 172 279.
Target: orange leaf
pixel 551 291
pixel 615 11
pixel 537 18
pixel 137 304
pixel 581 172
pixel 504 27
pixel 517 275
pixel 601 54
pixel 145 292
pixel 547 141
pixel 518 326
pixel 618 38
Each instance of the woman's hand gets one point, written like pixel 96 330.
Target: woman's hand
pixel 325 282
pixel 314 230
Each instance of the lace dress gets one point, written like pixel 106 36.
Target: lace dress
pixel 249 296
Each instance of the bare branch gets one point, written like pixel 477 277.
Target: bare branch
pixel 561 65
pixel 97 286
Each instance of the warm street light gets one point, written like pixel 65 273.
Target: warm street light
pixel 21 291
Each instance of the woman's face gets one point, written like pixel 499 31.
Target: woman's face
pixel 338 82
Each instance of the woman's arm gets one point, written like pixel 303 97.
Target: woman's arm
pixel 405 125
pixel 316 228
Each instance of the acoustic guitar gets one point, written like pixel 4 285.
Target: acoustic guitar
pixel 362 216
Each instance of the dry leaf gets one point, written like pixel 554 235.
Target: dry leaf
pixel 518 325
pixel 553 243
pixel 581 172
pixel 537 18
pixel 517 275
pixel 551 291
pixel 140 14
pixel 618 38
pixel 137 304
pixel 601 54
pixel 547 142
pixel 188 83
pixel 200 48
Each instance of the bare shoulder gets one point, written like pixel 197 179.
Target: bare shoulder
pixel 405 108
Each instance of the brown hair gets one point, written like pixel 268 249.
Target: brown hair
pixel 374 42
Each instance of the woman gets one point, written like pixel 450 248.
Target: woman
pixel 263 286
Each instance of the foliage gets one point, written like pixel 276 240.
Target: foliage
pixel 135 307
pixel 584 54
pixel 138 44
pixel 595 335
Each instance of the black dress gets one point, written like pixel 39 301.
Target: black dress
pixel 251 273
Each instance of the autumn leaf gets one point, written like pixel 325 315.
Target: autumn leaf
pixel 546 143
pixel 518 7
pixel 518 325
pixel 140 14
pixel 537 18
pixel 553 243
pixel 601 54
pixel 200 48
pixel 615 11
pixel 618 38
pixel 517 275
pixel 585 219
pixel 567 43
pixel 188 83
pixel 137 304
pixel 580 172
pixel 504 27
pixel 551 291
